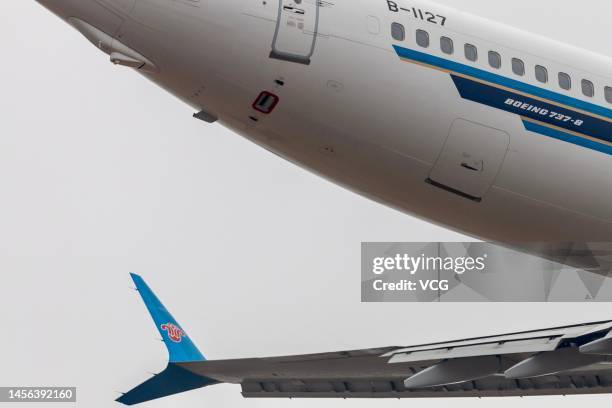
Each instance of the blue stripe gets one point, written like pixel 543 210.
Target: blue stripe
pixel 514 103
pixel 500 80
pixel 566 137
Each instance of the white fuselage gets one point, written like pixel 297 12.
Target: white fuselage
pixel 415 128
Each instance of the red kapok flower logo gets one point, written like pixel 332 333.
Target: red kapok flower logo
pixel 175 333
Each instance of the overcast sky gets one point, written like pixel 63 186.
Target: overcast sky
pixel 103 173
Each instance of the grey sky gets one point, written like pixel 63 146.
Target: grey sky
pixel 103 173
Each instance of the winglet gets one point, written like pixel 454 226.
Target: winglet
pixel 174 379
pixel 180 347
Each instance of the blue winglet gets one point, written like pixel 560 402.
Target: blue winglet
pixel 180 347
pixel 174 379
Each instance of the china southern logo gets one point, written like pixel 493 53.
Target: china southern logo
pixel 175 333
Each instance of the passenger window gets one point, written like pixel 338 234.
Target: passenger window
pixel 518 66
pixel 471 52
pixel 398 32
pixel 565 81
pixel 446 44
pixel 608 92
pixel 588 89
pixel 541 74
pixel 422 38
pixel 495 60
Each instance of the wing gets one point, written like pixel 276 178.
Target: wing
pixel 565 360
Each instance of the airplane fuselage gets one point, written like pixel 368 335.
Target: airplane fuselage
pixel 452 118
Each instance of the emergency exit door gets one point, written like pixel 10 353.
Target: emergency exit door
pixel 296 30
pixel 471 159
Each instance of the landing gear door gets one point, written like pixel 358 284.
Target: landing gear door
pixel 296 30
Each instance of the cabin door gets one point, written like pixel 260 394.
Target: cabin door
pixel 296 30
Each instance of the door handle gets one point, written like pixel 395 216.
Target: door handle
pixel 472 167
